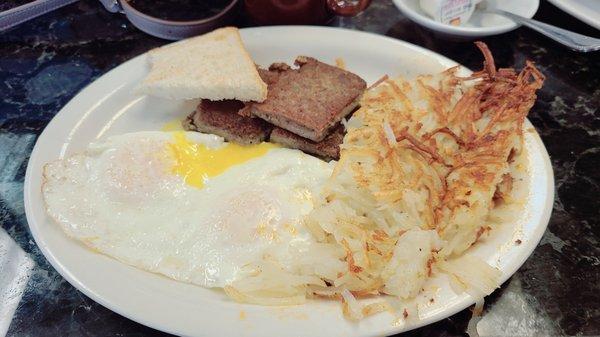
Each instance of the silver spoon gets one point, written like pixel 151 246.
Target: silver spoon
pixel 575 41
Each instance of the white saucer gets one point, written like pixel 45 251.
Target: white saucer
pixel 479 25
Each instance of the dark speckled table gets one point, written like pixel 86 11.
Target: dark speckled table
pixel 45 62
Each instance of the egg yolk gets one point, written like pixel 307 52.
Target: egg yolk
pixel 174 125
pixel 196 162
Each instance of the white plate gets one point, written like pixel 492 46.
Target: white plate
pixel 587 11
pixel 108 106
pixel 479 25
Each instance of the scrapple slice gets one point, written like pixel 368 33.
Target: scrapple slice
pixel 328 148
pixel 221 118
pixel 311 100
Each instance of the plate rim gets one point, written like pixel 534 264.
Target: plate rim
pixel 536 235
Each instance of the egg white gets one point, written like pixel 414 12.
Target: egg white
pixel 121 199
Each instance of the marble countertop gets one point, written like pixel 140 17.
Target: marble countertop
pixel 45 62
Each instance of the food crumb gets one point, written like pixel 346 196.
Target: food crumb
pixel 518 242
pixel 340 63
pixel 242 315
pixel 431 300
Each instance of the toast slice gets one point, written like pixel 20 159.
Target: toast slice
pixel 213 66
pixel 221 118
pixel 311 100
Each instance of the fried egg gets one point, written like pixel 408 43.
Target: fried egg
pixel 186 205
